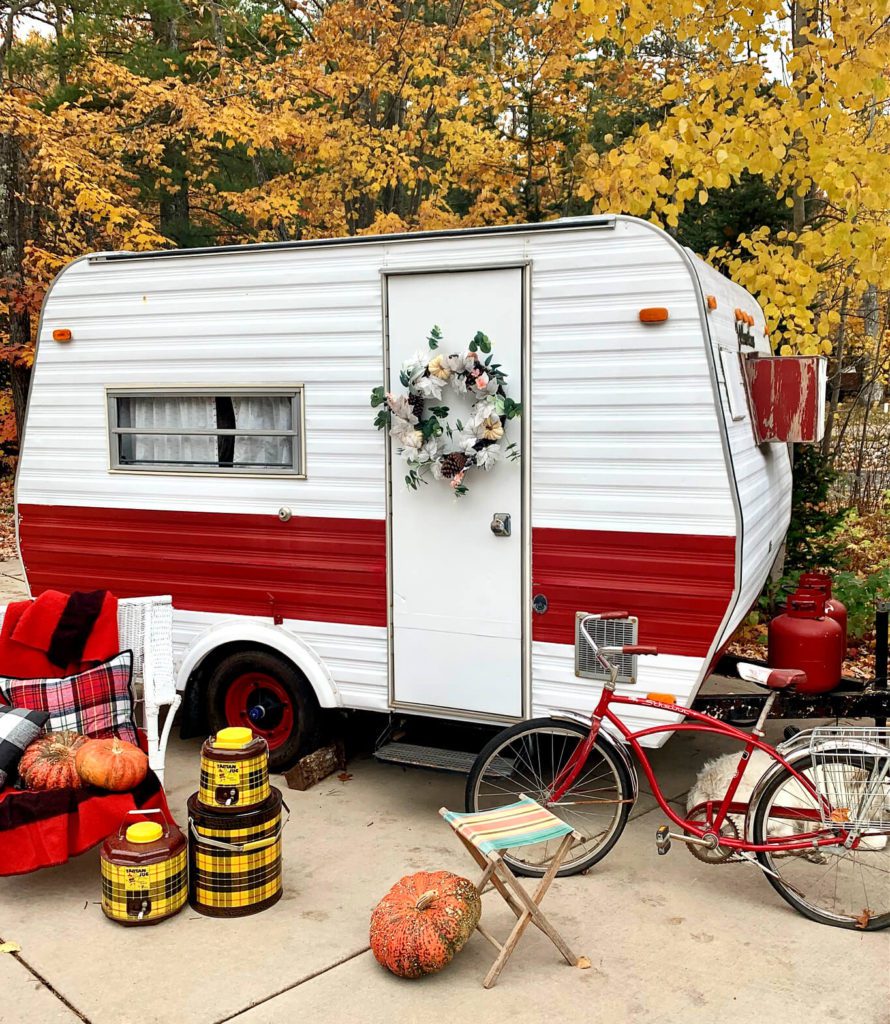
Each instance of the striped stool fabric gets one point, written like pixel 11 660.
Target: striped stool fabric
pixel 521 824
pixel 485 835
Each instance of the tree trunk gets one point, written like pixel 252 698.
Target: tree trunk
pixel 12 244
pixel 838 375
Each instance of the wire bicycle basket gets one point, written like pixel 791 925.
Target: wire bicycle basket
pixel 851 774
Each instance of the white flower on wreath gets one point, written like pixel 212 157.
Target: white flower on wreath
pixel 400 408
pixel 488 456
pixel 467 443
pixel 429 451
pixel 401 430
pixel 482 411
pixel 414 367
pixel 429 387
pixel 413 439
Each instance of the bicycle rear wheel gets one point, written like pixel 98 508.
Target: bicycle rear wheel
pixel 831 885
pixel 525 759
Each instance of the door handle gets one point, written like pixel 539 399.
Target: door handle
pixel 500 524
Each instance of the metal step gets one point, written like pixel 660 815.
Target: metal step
pixel 412 755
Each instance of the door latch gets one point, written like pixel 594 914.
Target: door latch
pixel 500 524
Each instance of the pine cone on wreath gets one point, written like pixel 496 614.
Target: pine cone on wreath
pixel 416 403
pixel 452 464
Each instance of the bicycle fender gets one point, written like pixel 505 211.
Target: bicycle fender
pixel 616 744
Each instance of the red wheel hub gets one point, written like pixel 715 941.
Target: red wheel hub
pixel 262 703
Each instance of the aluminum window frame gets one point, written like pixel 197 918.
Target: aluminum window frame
pixel 294 392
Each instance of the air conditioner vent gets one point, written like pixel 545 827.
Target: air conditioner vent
pixel 606 633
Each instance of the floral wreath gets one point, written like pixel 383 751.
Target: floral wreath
pixel 428 442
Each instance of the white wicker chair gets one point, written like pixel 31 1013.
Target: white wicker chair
pixel 145 626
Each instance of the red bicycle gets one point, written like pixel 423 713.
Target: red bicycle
pixel 817 823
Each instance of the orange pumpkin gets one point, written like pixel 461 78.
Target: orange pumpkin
pixel 113 764
pixel 49 762
pixel 423 921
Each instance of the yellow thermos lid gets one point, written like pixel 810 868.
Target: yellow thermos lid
pixel 233 738
pixel 144 832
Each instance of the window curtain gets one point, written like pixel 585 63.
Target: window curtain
pixel 178 414
pixel 259 413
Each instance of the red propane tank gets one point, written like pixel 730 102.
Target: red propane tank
pixel 805 637
pixel 834 609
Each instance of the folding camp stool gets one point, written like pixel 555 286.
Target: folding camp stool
pixel 487 833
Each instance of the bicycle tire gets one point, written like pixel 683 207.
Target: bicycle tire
pixel 866 919
pixel 499 747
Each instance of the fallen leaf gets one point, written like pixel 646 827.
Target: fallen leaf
pixel 863 919
pixel 344 776
pixel 10 947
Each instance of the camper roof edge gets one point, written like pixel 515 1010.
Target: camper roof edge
pixel 602 222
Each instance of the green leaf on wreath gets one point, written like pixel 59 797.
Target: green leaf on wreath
pixel 382 419
pixel 378 396
pixel 405 379
pixel 480 341
pixel 440 410
pixel 435 336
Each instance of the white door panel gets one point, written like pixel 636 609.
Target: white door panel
pixel 457 588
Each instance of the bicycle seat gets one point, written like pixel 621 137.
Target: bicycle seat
pixel 772 678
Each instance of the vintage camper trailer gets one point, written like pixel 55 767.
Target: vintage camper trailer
pixel 200 425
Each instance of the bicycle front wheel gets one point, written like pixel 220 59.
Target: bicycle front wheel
pixel 846 888
pixel 525 759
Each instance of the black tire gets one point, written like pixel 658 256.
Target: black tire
pixel 549 732
pixel 303 735
pixel 869 868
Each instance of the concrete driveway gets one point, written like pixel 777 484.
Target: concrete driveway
pixel 669 938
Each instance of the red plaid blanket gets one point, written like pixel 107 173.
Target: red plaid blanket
pixel 40 830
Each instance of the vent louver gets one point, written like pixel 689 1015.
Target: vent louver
pixel 606 633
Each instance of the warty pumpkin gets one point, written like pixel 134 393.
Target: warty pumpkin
pixel 49 762
pixel 113 764
pixel 423 921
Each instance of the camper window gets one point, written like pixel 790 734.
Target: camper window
pixel 233 431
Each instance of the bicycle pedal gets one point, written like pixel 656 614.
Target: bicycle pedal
pixel 662 840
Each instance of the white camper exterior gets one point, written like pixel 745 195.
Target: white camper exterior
pixel 640 485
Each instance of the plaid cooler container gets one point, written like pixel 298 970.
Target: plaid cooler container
pixel 235 859
pixel 234 771
pixel 144 873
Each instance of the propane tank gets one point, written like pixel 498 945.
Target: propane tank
pixel 805 637
pixel 834 609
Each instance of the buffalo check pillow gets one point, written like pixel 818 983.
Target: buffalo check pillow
pixel 97 702
pixel 18 728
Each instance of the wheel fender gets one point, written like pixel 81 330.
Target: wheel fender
pixel 615 742
pixel 795 750
pixel 278 638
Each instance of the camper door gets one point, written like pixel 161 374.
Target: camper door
pixel 456 616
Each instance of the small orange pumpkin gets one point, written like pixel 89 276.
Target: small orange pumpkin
pixel 49 762
pixel 113 764
pixel 423 921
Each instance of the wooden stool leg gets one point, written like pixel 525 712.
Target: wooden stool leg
pixel 532 912
pixel 491 875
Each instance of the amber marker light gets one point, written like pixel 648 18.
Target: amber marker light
pixel 62 334
pixel 712 302
pixel 662 698
pixel 653 315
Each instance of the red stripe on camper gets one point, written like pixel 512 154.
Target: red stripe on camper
pixel 679 586
pixel 334 570
pixel 324 570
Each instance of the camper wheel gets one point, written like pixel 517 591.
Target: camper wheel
pixel 269 694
